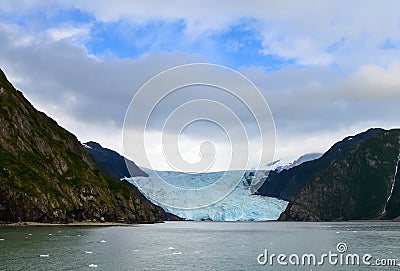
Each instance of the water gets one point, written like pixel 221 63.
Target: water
pixel 191 245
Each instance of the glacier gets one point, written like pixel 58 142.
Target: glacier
pixel 239 205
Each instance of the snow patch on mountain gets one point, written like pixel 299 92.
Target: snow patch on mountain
pixel 278 166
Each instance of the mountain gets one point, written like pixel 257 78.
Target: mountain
pixel 111 163
pixel 286 183
pixel 47 176
pixel 302 159
pixel 356 179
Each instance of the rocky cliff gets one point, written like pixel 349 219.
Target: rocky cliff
pixel 362 181
pixel 47 176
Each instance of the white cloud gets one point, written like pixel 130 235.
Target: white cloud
pixel 68 32
pixel 347 81
pixel 321 33
pixel 315 107
pixel 301 30
pixel 76 89
pixel 375 83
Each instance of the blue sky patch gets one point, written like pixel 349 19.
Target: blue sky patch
pixel 390 44
pixel 238 46
pixel 37 20
pixel 241 46
pixel 127 40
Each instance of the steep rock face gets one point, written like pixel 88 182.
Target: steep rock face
pixel 361 184
pixel 47 176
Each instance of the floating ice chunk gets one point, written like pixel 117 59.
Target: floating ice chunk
pixel 92 265
pixel 44 255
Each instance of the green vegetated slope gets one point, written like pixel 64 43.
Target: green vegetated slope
pixel 47 176
pixel 356 186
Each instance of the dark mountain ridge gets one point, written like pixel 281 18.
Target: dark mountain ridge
pixel 356 179
pixel 285 184
pixel 111 162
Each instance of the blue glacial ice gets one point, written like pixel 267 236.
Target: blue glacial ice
pixel 239 205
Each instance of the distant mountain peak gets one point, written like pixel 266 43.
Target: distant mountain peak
pixel 93 145
pixel 279 165
pixel 112 163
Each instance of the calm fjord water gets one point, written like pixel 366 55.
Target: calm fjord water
pixel 194 245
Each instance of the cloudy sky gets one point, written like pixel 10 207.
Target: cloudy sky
pixel 327 69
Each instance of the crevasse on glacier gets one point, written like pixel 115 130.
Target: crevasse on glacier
pixel 240 205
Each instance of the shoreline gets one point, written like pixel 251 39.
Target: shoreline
pixel 73 224
pixel 113 224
